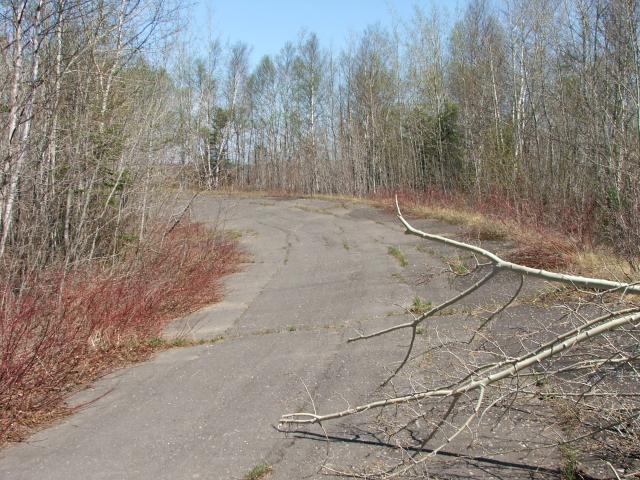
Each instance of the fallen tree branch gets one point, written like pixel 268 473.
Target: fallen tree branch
pixel 500 264
pixel 429 313
pixel 515 367
pixel 522 363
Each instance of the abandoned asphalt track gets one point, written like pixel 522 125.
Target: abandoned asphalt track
pixel 317 271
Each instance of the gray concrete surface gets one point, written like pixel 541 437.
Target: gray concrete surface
pixel 317 272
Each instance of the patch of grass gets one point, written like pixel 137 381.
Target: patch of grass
pixel 159 343
pixel 397 253
pixel 178 342
pixel 532 247
pixel 419 330
pixel 419 306
pixel 258 472
pixel 233 234
pixel 478 226
pixel 569 462
pixel 156 342
pixel 541 381
pixel 603 262
pixel 457 266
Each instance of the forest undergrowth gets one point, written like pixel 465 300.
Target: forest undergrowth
pixel 59 331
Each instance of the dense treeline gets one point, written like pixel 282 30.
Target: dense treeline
pixel 83 114
pixel 534 102
pixel 537 101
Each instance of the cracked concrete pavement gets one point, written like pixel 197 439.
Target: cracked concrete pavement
pixel 317 272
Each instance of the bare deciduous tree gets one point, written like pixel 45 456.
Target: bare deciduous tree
pixel 83 115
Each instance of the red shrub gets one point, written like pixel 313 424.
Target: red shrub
pixel 60 330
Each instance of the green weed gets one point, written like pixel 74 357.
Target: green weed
pixel 397 253
pixel 258 472
pixel 570 462
pixel 458 267
pixel 180 342
pixel 419 306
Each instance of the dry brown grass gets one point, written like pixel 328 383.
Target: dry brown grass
pixel 533 245
pixel 539 250
pixel 477 226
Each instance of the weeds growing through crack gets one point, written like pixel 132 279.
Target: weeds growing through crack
pixel 398 255
pixel 570 462
pixel 419 306
pixel 258 472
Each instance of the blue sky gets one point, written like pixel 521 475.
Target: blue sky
pixel 267 24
